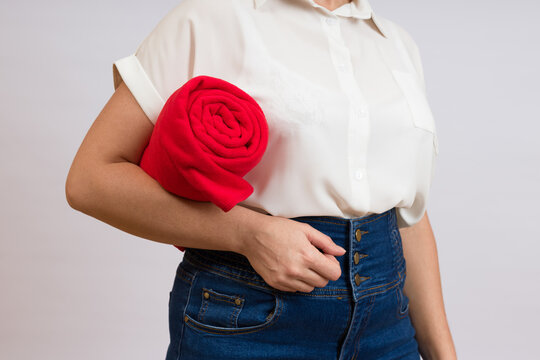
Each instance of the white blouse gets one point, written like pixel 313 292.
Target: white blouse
pixel 350 129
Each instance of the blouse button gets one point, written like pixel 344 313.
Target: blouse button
pixel 358 174
pixel 331 21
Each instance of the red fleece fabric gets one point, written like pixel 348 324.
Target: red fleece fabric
pixel 208 135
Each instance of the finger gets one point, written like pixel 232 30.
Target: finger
pixel 313 278
pixel 294 285
pixel 332 257
pixel 325 265
pixel 324 242
pixel 286 288
pixel 302 286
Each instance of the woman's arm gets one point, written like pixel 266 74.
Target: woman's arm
pixel 105 182
pixel 423 288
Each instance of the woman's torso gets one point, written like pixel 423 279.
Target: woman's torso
pixel 350 129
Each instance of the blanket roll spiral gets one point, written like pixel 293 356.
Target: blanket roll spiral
pixel 208 135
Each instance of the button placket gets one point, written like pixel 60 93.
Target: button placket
pixel 358 277
pixel 358 124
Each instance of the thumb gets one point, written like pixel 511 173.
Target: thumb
pixel 324 242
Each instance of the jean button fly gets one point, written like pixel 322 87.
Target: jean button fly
pixel 358 234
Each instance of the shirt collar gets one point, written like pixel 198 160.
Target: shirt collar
pixel 360 9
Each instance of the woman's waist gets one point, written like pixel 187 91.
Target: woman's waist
pixel 373 254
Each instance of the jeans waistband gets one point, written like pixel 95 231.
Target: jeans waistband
pixel 373 261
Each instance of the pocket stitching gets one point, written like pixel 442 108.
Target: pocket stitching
pixel 194 324
pixel 410 87
pixel 217 296
pixel 191 276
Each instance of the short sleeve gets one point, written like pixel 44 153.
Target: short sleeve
pixel 162 62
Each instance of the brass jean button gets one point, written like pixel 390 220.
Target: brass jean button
pixel 358 233
pixel 358 279
pixel 358 256
pixel 206 295
pixel 237 301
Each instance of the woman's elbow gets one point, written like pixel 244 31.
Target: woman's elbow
pixel 76 188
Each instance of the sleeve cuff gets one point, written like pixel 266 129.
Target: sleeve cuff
pixel 407 217
pixel 130 70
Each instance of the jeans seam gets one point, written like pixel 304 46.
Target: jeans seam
pixel 184 275
pixel 383 285
pixel 183 329
pixel 357 344
pixel 379 292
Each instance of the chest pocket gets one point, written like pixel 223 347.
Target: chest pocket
pixel 422 116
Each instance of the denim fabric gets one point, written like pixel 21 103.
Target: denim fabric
pixel 220 308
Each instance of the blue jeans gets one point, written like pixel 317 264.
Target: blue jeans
pixel 220 308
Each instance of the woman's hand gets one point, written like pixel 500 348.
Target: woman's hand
pixel 286 254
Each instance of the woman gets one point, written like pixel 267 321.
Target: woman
pixel 312 264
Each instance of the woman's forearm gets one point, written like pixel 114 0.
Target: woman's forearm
pixel 121 194
pixel 423 288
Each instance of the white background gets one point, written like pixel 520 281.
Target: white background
pixel 72 287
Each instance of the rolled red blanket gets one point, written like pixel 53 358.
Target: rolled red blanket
pixel 208 135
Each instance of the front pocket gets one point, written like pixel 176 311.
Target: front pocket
pixel 220 305
pixel 422 117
